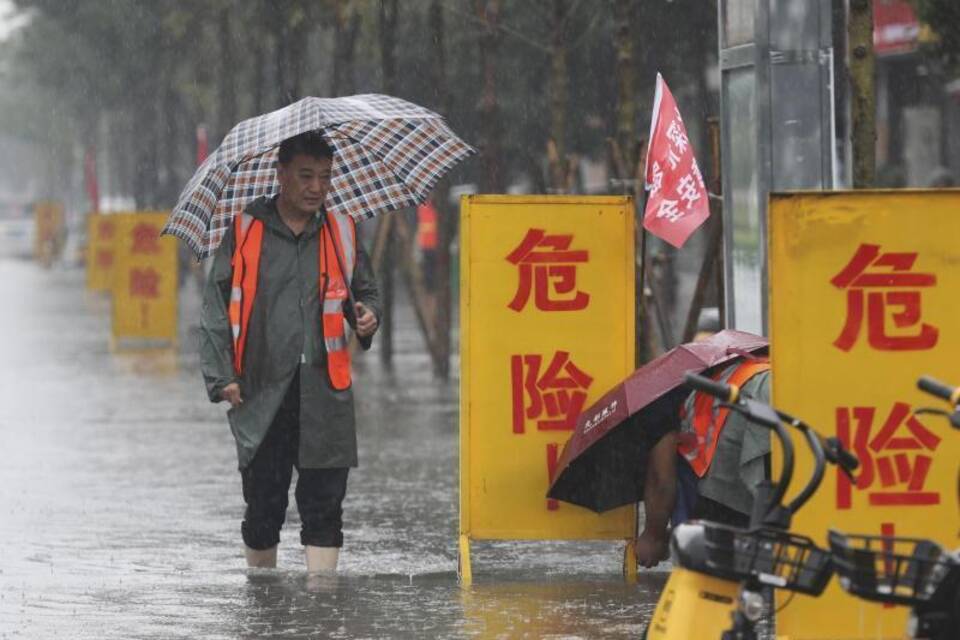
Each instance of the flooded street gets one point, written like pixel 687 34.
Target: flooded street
pixel 120 504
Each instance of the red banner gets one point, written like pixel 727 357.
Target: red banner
pixel 895 27
pixel 202 144
pixel 677 203
pixel 90 179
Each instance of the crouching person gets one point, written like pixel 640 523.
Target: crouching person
pixel 705 461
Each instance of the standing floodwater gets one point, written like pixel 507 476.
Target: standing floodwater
pixel 120 504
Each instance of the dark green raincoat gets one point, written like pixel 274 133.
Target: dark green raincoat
pixel 284 336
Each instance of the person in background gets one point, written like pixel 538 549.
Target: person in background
pixel 428 241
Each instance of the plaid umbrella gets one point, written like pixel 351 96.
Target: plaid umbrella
pixel 389 154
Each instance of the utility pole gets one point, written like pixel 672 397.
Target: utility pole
pixel 863 99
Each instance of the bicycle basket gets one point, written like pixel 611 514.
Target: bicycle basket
pixel 888 569
pixel 770 556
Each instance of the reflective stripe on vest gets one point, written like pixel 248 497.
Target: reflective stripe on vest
pixel 343 232
pixel 246 264
pixel 703 422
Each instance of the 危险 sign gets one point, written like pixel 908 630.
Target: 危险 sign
pixel 144 280
pixel 547 327
pixel 863 291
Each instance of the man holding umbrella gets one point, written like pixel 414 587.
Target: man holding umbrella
pixel 276 205
pixel 287 280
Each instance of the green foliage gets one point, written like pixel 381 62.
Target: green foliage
pixel 135 77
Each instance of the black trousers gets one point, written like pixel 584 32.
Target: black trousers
pixel 266 485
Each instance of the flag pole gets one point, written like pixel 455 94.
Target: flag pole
pixel 640 192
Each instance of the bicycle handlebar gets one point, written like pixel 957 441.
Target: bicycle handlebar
pixel 936 388
pixel 838 455
pixel 721 390
pixel 951 394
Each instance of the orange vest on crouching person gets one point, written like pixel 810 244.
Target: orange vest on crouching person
pixel 700 432
pixel 337 234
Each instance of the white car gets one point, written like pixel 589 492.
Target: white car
pixel 17 234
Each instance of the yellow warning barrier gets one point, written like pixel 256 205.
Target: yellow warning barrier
pixel 49 234
pixel 547 326
pixel 101 234
pixel 863 301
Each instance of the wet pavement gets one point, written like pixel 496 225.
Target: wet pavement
pixel 120 504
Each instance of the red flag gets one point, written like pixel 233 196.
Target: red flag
pixel 90 179
pixel 202 145
pixel 677 203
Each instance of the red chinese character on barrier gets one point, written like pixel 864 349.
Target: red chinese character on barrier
pixel 548 265
pixel 899 288
pixel 144 283
pixel 146 238
pixel 105 229
pixel 553 399
pixel 104 258
pixel 898 462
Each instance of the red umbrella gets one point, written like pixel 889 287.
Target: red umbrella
pixel 603 463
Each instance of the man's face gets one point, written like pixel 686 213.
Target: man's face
pixel 304 182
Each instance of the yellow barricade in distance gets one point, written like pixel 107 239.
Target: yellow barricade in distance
pixel 144 282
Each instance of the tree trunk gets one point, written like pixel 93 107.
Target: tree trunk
pixel 863 93
pixel 258 47
pixel 298 33
pixel 145 138
pixel 386 287
pixel 626 134
pixel 488 12
pixel 388 44
pixel 625 162
pixel 347 27
pixel 558 99
pixel 169 179
pixel 226 86
pixel 388 25
pixel 413 276
pixel 446 222
pixel 278 21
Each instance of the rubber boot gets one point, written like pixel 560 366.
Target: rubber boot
pixel 262 559
pixel 321 559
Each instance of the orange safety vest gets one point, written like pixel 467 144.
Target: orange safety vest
pixel 246 267
pixel 427 226
pixel 701 431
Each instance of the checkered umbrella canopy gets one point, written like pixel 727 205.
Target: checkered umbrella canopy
pixel 389 153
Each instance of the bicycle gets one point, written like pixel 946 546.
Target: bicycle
pixel 720 571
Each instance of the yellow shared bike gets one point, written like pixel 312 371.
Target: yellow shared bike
pixel 722 575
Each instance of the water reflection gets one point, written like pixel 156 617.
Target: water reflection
pixel 562 609
pixel 294 605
